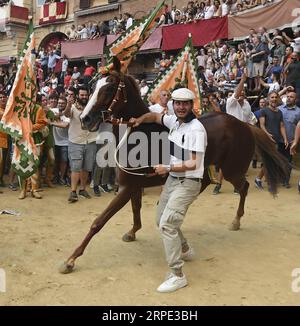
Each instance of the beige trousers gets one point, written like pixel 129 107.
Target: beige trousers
pixel 174 202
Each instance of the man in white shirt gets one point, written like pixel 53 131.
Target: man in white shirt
pixel 274 86
pixel 184 182
pixel 240 108
pixel 224 8
pixel 64 68
pixel 209 10
pixel 60 133
pixel 81 147
pixel 164 106
pixel 129 20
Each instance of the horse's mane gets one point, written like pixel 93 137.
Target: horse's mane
pixel 131 79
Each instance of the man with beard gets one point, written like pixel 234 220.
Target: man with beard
pixel 82 145
pixel 188 142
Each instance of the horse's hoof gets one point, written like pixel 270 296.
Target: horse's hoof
pixel 234 226
pixel 127 237
pixel 66 268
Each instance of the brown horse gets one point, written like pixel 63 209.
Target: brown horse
pixel 231 145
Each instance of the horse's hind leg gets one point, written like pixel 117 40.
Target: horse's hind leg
pixel 242 186
pixel 206 181
pixel 136 203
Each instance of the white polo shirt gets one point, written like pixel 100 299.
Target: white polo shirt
pixel 243 113
pixel 188 137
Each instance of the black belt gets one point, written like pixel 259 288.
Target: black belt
pixel 183 178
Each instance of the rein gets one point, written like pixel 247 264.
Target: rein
pixel 117 122
pixel 114 121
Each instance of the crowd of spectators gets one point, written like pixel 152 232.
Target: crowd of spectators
pixel 93 31
pixel 199 10
pixel 271 62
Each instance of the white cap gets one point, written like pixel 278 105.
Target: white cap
pixel 183 94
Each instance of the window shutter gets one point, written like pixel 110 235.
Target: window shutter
pixel 85 4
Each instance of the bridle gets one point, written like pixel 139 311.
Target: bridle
pixel 122 90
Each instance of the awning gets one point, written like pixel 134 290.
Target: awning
pixel 86 49
pixel 96 10
pixel 280 15
pixel 111 38
pixel 4 61
pixel 203 32
pixel 154 41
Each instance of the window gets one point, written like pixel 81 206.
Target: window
pixel 84 4
pixel 40 2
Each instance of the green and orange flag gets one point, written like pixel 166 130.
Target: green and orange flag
pixel 182 70
pixel 130 41
pixel 16 118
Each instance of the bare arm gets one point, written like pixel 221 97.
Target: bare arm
pixel 150 117
pixel 265 85
pixel 240 87
pixel 296 139
pixel 70 101
pixel 262 122
pixel 60 124
pixel 189 165
pixel 283 134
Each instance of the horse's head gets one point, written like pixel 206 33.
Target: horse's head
pixel 109 98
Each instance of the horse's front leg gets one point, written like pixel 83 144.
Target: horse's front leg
pixel 136 203
pixel 116 204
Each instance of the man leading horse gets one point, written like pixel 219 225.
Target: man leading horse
pixel 188 143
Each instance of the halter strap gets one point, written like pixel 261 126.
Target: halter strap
pixel 121 88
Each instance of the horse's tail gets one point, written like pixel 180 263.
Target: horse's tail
pixel 276 165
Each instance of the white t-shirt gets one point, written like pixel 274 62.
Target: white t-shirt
pixel 129 22
pixel 209 12
pixel 224 9
pixel 189 137
pixel 64 66
pixel 60 135
pixel 243 113
pixel 274 87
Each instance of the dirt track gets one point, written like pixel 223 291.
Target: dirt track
pixel 249 267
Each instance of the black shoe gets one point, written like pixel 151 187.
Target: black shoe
pixel 217 189
pixel 12 187
pixel 97 191
pixel 299 187
pixel 236 192
pixel 85 194
pixel 254 164
pixel 258 184
pixel 61 181
pixel 73 198
pixel 104 188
